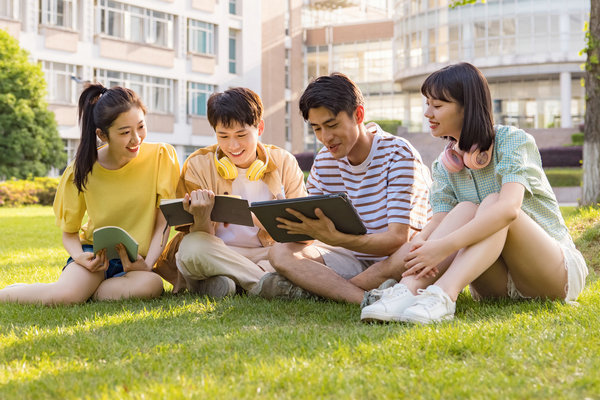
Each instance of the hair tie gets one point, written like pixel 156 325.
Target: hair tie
pixel 104 90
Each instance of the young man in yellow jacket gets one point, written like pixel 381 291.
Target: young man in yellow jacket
pixel 214 258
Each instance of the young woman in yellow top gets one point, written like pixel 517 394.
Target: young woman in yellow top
pixel 120 184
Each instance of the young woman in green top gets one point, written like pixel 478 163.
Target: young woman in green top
pixel 496 226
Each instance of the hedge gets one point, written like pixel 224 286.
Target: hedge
pixel 570 156
pixel 15 192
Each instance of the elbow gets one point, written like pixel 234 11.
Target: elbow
pixel 511 214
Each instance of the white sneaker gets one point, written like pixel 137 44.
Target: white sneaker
pixel 390 306
pixel 431 305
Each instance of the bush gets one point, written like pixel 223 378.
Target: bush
pixel 389 125
pixel 305 160
pixel 561 156
pixel 40 191
pixel 577 139
pixel 559 177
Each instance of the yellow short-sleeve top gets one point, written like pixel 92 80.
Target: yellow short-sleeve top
pixel 126 197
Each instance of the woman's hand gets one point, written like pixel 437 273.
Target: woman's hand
pixel 424 257
pixel 137 265
pixel 93 262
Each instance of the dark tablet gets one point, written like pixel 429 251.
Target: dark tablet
pixel 336 207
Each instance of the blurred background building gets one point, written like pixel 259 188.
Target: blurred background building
pixel 176 52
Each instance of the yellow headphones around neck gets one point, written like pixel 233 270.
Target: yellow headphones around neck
pixel 228 170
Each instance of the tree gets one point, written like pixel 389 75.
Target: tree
pixel 591 134
pixel 29 141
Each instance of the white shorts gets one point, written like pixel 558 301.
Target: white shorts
pixel 575 265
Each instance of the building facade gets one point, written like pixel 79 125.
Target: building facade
pixel 174 54
pixel 529 50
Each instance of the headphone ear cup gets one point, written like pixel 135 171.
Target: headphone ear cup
pixel 225 168
pixel 452 160
pixel 256 170
pixel 477 159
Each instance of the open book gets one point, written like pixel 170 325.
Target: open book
pixel 108 237
pixel 227 209
pixel 336 206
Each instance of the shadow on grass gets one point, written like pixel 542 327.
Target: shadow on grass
pixel 164 339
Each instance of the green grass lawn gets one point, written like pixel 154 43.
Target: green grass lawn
pixel 240 347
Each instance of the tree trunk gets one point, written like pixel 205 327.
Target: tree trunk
pixel 591 141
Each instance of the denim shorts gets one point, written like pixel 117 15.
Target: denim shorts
pixel 115 268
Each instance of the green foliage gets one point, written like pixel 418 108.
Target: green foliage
pixel 388 125
pixel 458 3
pixel 29 141
pixel 249 348
pixel 577 139
pixel 24 192
pixel 561 177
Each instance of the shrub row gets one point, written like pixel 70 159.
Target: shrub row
pixel 31 191
pixel 561 156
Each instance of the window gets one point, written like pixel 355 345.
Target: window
pixel 233 51
pixel 134 23
pixel 9 9
pixel 233 7
pixel 201 37
pixel 288 120
pixel 156 93
pixel 198 94
pixel 61 88
pixel 58 13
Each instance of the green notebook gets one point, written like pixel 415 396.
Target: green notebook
pixel 108 237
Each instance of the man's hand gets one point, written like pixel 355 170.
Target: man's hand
pixel 320 228
pixel 200 203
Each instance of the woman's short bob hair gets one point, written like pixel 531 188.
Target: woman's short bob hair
pixel 465 85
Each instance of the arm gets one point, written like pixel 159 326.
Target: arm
pixel 92 262
pixel 323 229
pixel 157 244
pixel 485 223
pixel 200 203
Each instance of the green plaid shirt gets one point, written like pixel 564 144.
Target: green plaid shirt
pixel 515 159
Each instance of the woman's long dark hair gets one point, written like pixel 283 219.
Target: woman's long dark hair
pixel 98 108
pixel 465 84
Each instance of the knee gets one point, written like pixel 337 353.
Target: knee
pixel 151 286
pixel 193 248
pixel 280 256
pixel 467 207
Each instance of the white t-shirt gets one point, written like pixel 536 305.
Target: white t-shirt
pixel 240 235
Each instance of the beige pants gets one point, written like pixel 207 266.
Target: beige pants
pixel 202 255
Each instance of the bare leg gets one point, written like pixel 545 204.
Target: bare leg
pixel 534 259
pixel 75 285
pixel 304 266
pixel 461 214
pixel 138 284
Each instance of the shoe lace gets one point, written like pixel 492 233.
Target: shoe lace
pixel 428 299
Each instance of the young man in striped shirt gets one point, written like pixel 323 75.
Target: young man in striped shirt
pixel 387 183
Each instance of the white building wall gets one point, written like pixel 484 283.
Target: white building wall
pixel 32 38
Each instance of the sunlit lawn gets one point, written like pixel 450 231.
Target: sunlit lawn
pixel 190 347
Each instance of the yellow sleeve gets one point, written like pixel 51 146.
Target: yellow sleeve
pixel 168 173
pixel 69 205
